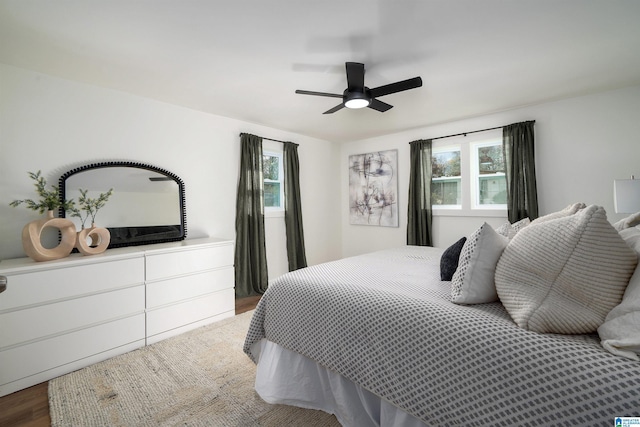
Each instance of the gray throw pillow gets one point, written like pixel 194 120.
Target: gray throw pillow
pixel 473 281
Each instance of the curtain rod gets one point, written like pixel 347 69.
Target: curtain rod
pixel 268 139
pixel 465 133
pixel 472 131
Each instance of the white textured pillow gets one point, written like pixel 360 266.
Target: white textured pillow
pixel 572 209
pixel 506 230
pixel 509 230
pixel 620 333
pixel 564 276
pixel 630 221
pixel 473 281
pixel 519 225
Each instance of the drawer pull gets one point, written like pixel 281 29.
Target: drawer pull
pixel 3 284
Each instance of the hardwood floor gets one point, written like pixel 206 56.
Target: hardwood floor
pixel 30 407
pixel 246 304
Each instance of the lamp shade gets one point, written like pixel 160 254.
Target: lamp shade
pixel 626 195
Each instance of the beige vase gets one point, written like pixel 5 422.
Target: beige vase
pixel 93 241
pixel 31 238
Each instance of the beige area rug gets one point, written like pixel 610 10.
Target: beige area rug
pixel 199 378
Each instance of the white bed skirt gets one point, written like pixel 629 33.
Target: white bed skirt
pixel 286 377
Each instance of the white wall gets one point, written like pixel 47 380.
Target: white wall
pixel 52 124
pixel 582 145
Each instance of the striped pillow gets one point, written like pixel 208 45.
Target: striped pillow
pixel 620 333
pixel 564 275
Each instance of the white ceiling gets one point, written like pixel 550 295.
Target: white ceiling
pixel 245 58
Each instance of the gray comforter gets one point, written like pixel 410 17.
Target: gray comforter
pixel 385 321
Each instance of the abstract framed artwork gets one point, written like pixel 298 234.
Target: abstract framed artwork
pixel 373 188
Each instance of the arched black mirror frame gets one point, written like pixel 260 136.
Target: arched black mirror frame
pixel 181 234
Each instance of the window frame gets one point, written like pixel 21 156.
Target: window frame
pixel 476 175
pixel 275 210
pixel 448 149
pixel 468 208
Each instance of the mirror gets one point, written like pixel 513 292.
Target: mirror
pixel 147 205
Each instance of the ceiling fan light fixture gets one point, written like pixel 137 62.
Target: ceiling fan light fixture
pixel 357 103
pixel 357 95
pixel 357 99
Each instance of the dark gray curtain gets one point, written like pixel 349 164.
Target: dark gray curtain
pixel 251 255
pixel 419 212
pixel 292 208
pixel 518 148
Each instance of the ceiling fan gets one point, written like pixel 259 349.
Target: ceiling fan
pixel 357 95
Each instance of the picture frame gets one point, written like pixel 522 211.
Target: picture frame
pixel 373 189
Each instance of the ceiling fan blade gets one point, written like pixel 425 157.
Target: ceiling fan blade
pixel 396 87
pixel 334 109
pixel 355 76
pixel 379 105
pixel 308 92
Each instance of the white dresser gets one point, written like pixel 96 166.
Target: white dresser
pixel 59 316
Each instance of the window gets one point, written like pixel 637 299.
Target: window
pixel 272 170
pixel 490 182
pixel 468 175
pixel 446 188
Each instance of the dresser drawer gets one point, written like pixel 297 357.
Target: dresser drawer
pixel 56 351
pixel 188 261
pixel 43 321
pixel 173 316
pixel 186 287
pixel 58 283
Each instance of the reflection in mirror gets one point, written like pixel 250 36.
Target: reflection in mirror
pixel 147 204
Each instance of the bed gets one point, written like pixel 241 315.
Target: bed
pixel 376 340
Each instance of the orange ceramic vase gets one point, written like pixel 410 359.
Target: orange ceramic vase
pixel 31 238
pixel 93 241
